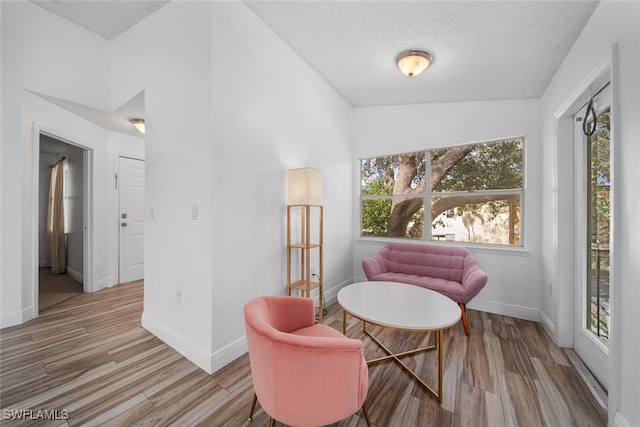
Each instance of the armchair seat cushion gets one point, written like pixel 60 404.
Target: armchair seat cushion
pixel 318 330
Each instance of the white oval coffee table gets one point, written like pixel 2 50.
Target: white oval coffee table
pixel 401 306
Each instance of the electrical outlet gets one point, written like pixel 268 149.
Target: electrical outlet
pixel 314 272
pixel 179 296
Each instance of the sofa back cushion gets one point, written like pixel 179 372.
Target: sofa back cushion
pixel 438 261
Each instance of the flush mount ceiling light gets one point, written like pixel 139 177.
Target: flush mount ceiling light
pixel 413 62
pixel 138 124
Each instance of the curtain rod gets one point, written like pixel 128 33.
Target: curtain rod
pixel 594 95
pixel 64 157
pixel 591 111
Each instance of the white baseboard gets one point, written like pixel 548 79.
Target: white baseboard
pixel 212 362
pixel 75 274
pixel 227 354
pixel 332 294
pixel 16 318
pixel 106 282
pixel 199 356
pixel 547 324
pixel 517 311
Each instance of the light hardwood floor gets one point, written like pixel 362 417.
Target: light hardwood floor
pixel 90 356
pixel 55 288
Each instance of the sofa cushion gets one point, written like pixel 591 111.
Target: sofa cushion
pixel 426 260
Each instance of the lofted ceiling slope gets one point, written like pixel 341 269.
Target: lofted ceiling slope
pixel 482 50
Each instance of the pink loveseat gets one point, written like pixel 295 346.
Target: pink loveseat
pixel 449 270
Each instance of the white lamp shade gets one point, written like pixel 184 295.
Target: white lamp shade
pixel 304 187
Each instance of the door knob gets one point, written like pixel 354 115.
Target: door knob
pixel 124 224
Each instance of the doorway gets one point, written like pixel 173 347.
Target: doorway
pixel 67 279
pixel 130 186
pixel 593 224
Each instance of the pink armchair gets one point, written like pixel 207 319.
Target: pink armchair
pixel 304 374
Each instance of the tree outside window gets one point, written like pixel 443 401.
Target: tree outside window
pixel 474 192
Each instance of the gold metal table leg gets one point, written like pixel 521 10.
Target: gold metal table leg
pixel 344 322
pixel 396 357
pixel 439 338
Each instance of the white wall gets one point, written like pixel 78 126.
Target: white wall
pixel 222 136
pixel 174 70
pixel 613 32
pixel 514 274
pixel 273 115
pixel 46 54
pixel 74 214
pixel 31 42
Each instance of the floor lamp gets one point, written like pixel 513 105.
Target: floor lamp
pixel 304 232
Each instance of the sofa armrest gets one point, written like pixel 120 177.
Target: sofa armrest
pixel 473 280
pixel 374 266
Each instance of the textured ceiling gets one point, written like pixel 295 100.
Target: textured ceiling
pixel 481 49
pixel 106 18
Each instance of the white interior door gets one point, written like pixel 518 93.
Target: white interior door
pixel 592 230
pixel 131 219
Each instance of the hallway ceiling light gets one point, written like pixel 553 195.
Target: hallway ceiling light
pixel 138 124
pixel 413 62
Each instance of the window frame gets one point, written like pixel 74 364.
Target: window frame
pixel 429 195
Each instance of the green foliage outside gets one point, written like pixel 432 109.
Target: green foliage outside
pixel 495 166
pixel 478 167
pixel 599 160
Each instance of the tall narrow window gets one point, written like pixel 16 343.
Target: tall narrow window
pixel 598 224
pixel 593 196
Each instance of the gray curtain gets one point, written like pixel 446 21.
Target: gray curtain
pixel 57 253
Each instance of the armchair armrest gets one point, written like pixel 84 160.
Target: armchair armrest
pixel 374 266
pixel 473 280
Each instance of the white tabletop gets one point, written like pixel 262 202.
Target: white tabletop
pixel 399 305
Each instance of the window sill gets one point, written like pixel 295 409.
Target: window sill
pixel 473 247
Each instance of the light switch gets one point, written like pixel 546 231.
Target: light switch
pixel 194 212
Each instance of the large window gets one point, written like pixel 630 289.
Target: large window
pixel 474 193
